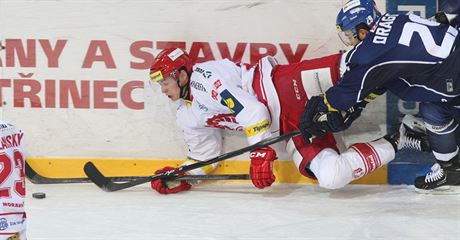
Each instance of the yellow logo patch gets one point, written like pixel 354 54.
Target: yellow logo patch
pixel 329 107
pixel 14 237
pixel 257 128
pixel 339 29
pixel 371 97
pixel 156 76
pixel 230 103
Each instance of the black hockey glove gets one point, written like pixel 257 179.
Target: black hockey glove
pixel 441 17
pixel 337 121
pixel 317 120
pixel 307 125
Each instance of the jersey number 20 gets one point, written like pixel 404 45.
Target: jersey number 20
pixel 420 26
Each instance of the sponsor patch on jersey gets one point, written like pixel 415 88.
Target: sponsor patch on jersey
pixel 257 128
pixel 202 107
pixel 198 86
pixel 14 237
pixel 231 102
pixel 358 173
pixel 214 95
pixel 217 84
pixel 3 224
pixel 450 85
pixel 198 70
pixel 207 74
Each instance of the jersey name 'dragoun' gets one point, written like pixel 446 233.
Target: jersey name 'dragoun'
pixel 383 29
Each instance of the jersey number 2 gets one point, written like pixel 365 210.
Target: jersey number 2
pixel 5 172
pixel 420 26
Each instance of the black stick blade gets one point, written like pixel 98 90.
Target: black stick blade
pixel 36 178
pixel 30 173
pixel 106 183
pixel 96 176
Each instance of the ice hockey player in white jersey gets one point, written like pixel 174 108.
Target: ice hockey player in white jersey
pixel 12 183
pixel 263 101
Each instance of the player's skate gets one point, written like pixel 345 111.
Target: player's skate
pixel 411 135
pixel 414 123
pixel 444 178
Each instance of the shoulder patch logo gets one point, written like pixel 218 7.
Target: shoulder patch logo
pixel 231 102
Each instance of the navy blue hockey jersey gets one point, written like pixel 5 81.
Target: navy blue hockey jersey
pixel 416 59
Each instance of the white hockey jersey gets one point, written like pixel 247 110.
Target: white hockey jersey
pixel 221 98
pixel 12 184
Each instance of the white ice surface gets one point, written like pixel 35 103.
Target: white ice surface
pixel 239 211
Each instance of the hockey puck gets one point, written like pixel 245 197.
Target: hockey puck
pixel 39 195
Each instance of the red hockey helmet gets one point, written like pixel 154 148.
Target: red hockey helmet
pixel 168 63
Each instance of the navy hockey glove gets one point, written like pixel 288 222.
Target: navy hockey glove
pixel 440 17
pixel 336 121
pixel 307 125
pixel 317 119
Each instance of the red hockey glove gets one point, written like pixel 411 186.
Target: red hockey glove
pixel 261 170
pixel 162 187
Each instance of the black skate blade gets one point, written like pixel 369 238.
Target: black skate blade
pixel 444 190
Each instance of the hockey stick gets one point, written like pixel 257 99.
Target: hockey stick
pixel 36 178
pixel 109 186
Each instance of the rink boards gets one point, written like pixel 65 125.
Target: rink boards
pixel 74 76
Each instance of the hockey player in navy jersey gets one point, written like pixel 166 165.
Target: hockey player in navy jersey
pixel 414 58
